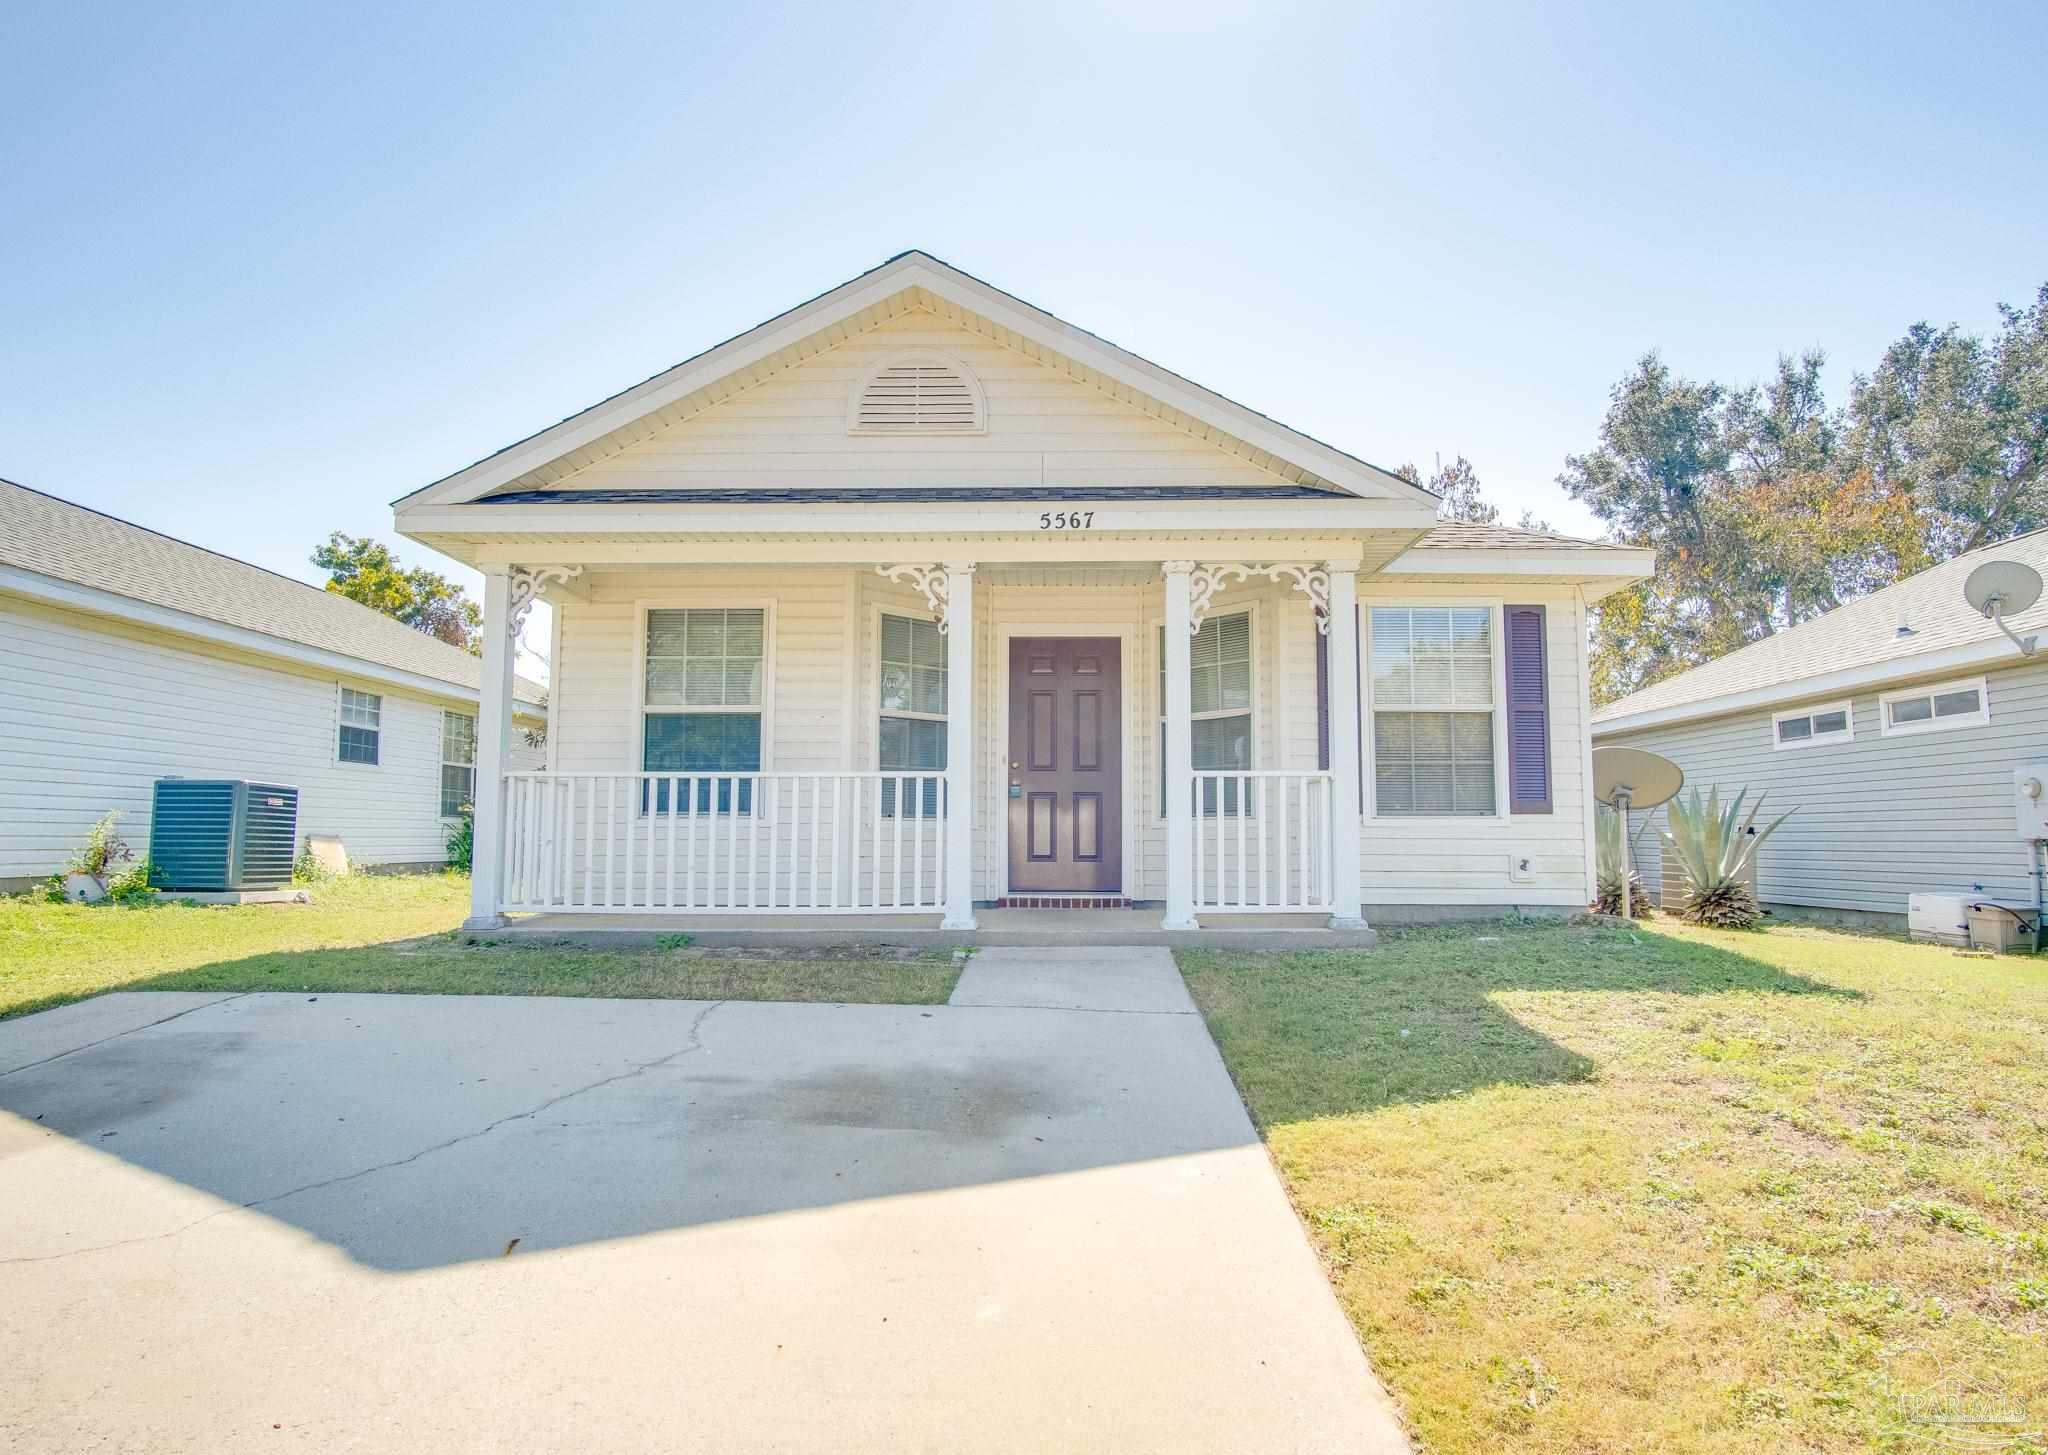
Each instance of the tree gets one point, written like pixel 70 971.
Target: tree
pixel 363 570
pixel 1458 486
pixel 1962 425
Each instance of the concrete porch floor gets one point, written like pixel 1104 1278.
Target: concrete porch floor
pixel 998 927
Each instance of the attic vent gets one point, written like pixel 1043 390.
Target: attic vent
pixel 918 394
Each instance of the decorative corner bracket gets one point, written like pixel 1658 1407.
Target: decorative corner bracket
pixel 1310 580
pixel 527 584
pixel 929 579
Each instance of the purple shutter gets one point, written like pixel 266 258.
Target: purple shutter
pixel 1528 712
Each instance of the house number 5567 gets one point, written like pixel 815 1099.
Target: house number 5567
pixel 1066 519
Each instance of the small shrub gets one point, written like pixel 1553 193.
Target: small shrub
pixel 132 886
pixel 102 847
pixel 462 840
pixel 1607 887
pixel 1714 852
pixel 307 868
pixel 671 942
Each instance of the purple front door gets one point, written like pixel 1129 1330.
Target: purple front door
pixel 1066 765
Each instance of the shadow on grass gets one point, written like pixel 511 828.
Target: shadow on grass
pixel 1417 1020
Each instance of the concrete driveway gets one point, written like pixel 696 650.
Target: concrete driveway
pixel 1034 1219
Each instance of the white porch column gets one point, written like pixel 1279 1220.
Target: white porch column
pixel 959 746
pixel 1180 825
pixel 493 741
pixel 1346 911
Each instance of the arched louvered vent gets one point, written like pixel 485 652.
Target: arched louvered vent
pixel 919 394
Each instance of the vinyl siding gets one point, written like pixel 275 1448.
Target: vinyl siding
pixel 821 709
pixel 1044 428
pixel 93 712
pixel 1878 818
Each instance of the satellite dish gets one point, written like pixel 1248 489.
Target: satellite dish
pixel 1998 587
pixel 1626 778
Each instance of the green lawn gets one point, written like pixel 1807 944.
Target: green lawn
pixel 397 933
pixel 1597 1189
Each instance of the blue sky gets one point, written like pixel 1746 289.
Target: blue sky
pixel 267 268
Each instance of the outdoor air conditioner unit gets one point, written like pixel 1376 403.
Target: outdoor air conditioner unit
pixel 222 835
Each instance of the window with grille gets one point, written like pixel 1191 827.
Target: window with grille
pixel 458 763
pixel 701 710
pixel 362 716
pixel 912 730
pixel 1432 711
pixel 1219 708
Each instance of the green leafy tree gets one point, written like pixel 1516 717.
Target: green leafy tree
pixel 1462 497
pixel 363 570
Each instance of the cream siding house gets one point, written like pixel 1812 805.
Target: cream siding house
pixel 127 656
pixel 916 600
pixel 1893 726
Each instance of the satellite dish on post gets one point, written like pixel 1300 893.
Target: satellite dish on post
pixel 1626 778
pixel 1998 587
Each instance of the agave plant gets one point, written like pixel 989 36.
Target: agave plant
pixel 1715 847
pixel 1607 844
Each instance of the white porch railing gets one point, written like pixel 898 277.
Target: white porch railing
pixel 725 843
pixel 1262 843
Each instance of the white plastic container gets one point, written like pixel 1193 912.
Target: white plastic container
pixel 1942 918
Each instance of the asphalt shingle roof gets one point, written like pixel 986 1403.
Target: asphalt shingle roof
pixel 55 538
pixel 1864 633
pixel 1465 535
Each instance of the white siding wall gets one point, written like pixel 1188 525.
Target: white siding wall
pixel 1044 428
pixel 93 712
pixel 1877 818
pixel 823 707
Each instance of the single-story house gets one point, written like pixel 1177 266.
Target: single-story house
pixel 918 600
pixel 1892 725
pixel 127 656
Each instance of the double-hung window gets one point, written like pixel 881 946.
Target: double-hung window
pixel 912 730
pixel 1433 711
pixel 701 707
pixel 1934 709
pixel 458 763
pixel 1219 708
pixel 362 716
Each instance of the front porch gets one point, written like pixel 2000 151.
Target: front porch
pixel 874 746
pixel 1019 928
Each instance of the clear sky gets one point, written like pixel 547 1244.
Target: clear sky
pixel 264 268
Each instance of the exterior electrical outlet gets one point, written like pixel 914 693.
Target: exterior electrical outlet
pixel 222 835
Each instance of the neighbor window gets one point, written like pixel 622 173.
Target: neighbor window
pixel 458 763
pixel 1810 726
pixel 701 708
pixel 1432 711
pixel 1219 706
pixel 912 731
pixel 361 716
pixel 1932 709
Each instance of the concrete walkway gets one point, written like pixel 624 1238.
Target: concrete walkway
pixel 1033 1219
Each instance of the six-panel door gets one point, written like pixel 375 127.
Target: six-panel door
pixel 1065 782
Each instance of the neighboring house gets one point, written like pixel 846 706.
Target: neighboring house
pixel 916 599
pixel 128 656
pixel 1892 725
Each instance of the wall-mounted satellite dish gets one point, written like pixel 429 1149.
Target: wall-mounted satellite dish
pixel 1626 778
pixel 1997 588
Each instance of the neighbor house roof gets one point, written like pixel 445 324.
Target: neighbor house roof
pixel 1465 535
pixel 1918 627
pixel 58 541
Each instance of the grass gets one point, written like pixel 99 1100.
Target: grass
pixel 1597 1189
pixel 398 933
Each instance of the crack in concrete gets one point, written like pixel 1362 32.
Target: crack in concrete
pixel 692 1041
pixel 161 1021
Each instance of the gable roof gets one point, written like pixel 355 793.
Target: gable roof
pixel 69 543
pixel 913 280
pixel 1857 645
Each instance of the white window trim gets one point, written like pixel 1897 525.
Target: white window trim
pixel 1260 754
pixel 1817 740
pixel 1369 764
pixel 340 722
pixel 916 356
pixel 708 597
pixel 1934 724
pixel 872 692
pixel 447 763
